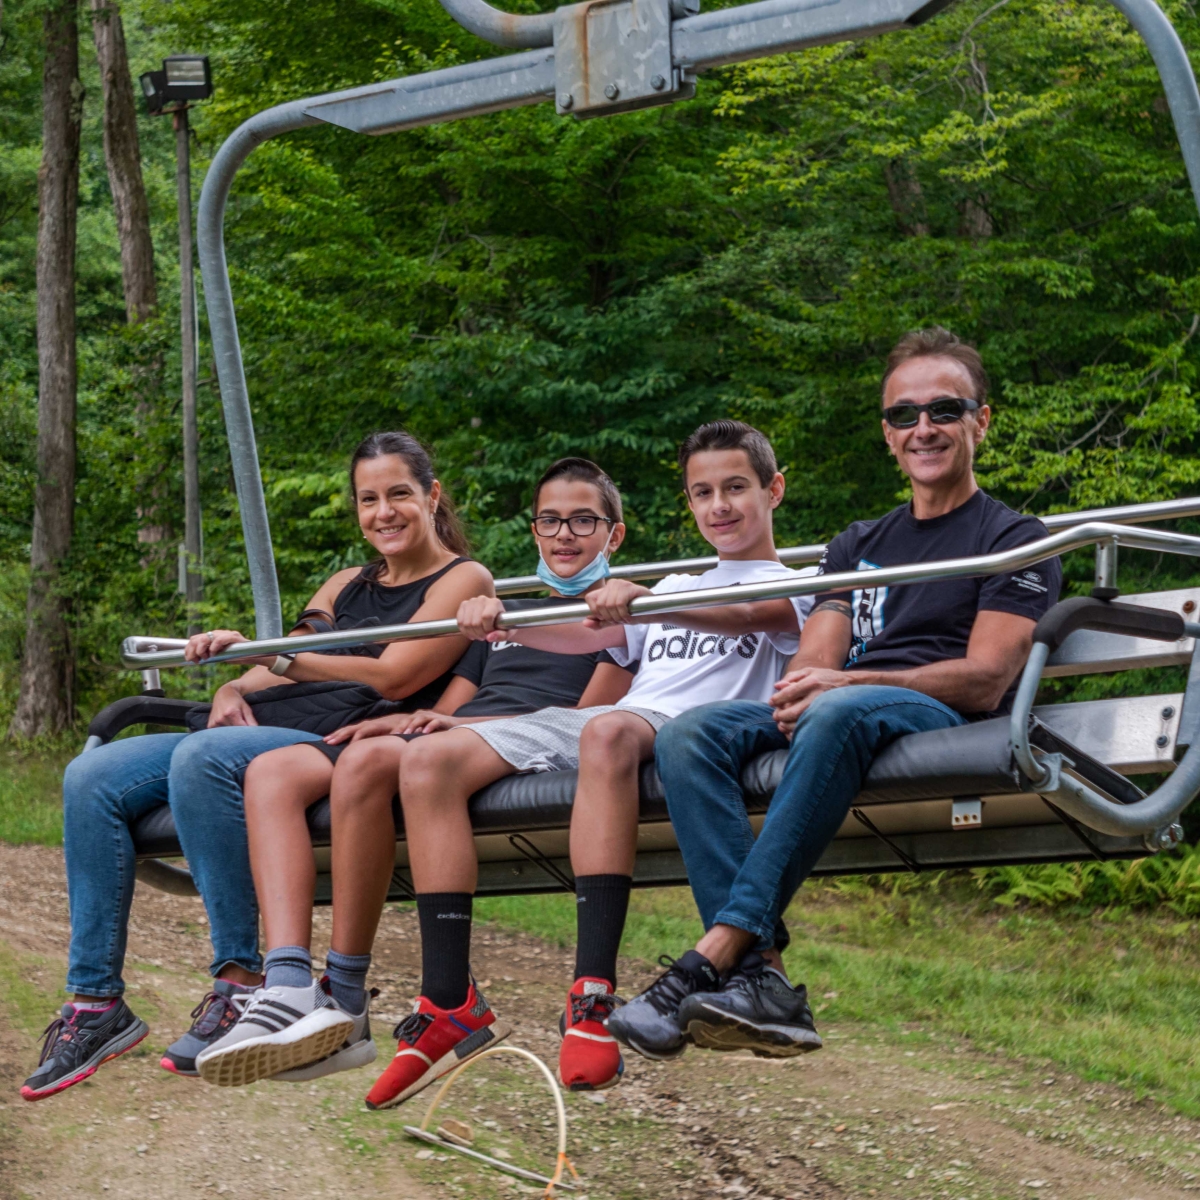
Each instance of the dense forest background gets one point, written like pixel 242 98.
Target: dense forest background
pixel 522 286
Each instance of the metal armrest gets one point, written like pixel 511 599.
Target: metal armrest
pixel 1155 816
pixel 136 710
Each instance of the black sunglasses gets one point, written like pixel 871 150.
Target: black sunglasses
pixel 943 411
pixel 581 524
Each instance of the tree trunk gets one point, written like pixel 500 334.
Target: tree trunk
pixel 124 163
pixel 906 198
pixel 46 700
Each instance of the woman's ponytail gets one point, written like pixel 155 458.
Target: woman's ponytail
pixel 449 528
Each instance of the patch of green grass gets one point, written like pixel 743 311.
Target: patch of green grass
pixel 1109 995
pixel 23 1006
pixel 31 795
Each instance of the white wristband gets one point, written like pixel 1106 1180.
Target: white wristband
pixel 281 664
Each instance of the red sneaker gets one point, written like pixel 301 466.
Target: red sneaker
pixel 433 1041
pixel 589 1059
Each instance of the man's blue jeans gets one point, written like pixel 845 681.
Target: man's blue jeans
pixel 107 789
pixel 746 882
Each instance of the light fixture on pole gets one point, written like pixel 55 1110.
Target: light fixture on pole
pixel 185 78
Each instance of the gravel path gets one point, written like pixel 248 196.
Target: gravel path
pixel 864 1117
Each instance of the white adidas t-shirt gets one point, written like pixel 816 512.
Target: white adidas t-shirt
pixel 680 669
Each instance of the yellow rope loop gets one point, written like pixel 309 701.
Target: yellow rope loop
pixel 562 1162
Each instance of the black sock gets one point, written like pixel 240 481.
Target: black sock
pixel 601 902
pixel 445 919
pixel 706 976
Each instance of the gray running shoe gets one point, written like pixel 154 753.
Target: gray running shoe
pixel 212 1019
pixel 356 1051
pixel 649 1023
pixel 281 1029
pixel 756 1009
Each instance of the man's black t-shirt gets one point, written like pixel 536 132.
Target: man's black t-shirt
pixel 914 624
pixel 515 679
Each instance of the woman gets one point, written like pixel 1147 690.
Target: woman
pixel 306 1030
pixel 422 574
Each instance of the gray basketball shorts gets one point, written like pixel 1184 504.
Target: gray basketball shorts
pixel 548 740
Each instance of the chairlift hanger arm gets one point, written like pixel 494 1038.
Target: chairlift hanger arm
pixel 134 656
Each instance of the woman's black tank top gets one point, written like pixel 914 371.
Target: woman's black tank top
pixel 365 602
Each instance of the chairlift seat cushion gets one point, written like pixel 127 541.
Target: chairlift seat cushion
pixel 971 760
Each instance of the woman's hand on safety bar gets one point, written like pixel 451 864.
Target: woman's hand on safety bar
pixel 202 646
pixel 610 603
pixel 477 619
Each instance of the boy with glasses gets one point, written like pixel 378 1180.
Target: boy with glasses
pixel 733 488
pixel 874 664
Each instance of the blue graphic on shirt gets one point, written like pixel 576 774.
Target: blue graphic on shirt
pixel 866 613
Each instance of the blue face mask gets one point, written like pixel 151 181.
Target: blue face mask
pixel 596 570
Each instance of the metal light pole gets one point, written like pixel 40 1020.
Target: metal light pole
pixel 184 78
pixel 193 581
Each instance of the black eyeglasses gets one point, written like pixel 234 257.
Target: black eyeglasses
pixel 581 524
pixel 945 410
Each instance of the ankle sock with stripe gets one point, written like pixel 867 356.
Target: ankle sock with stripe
pixel 601 902
pixel 288 966
pixel 445 919
pixel 347 975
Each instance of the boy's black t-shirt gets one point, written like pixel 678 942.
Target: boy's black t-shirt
pixel 914 624
pixel 514 679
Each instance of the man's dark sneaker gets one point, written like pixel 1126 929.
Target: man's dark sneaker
pixel 649 1023
pixel 80 1040
pixel 756 1009
pixel 212 1019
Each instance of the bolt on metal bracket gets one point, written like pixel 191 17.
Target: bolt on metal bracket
pixel 613 56
pixel 1166 838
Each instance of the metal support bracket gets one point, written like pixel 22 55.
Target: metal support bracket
pixel 522 845
pixel 966 813
pixel 910 862
pixel 402 885
pixel 613 56
pixel 1075 829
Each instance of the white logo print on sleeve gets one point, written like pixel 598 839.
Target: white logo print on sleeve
pixel 866 614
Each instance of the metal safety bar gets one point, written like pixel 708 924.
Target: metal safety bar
pixel 135 653
pixel 797 556
pixel 591 60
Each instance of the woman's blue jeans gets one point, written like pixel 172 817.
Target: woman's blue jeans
pixel 106 790
pixel 744 881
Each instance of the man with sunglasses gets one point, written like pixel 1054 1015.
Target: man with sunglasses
pixel 874 664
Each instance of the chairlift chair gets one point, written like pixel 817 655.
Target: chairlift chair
pixel 1051 784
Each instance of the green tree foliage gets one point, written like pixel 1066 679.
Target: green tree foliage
pixel 521 286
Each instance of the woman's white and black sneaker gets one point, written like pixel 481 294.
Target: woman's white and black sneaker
pixel 282 1028
pixel 756 1009
pixel 649 1023
pixel 78 1041
pixel 358 1050
pixel 212 1019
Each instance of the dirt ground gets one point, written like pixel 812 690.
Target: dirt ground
pixel 864 1117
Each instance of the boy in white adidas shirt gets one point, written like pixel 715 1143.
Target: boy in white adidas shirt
pixel 733 652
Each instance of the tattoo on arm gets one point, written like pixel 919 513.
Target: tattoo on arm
pixel 837 606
